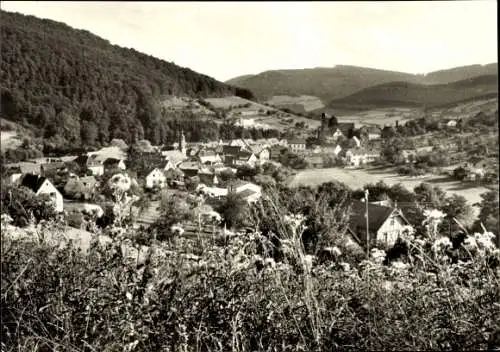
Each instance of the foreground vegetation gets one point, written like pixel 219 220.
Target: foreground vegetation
pixel 249 292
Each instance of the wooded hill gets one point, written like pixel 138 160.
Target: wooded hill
pixel 73 88
pixel 329 83
pixel 404 94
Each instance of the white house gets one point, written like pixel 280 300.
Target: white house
pixel 41 185
pixel 451 123
pixel 155 178
pixel 357 141
pixel 385 224
pixel 297 145
pixel 250 191
pixel 337 150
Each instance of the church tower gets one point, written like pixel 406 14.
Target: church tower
pixel 182 143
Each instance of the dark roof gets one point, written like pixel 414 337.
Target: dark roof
pixel 111 161
pixel 378 214
pixel 231 150
pixel 33 182
pixel 11 170
pixel 346 128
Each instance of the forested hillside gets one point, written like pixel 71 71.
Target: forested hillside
pixel 73 88
pixel 404 94
pixel 328 83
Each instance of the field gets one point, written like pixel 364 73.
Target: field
pixel 379 117
pixel 358 178
pixel 258 112
pixel 305 102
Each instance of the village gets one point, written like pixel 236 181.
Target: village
pixel 213 170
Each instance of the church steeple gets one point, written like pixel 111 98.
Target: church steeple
pixel 182 143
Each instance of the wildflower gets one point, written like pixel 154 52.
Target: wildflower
pixel 308 262
pixel 345 266
pixel 441 244
pixel 399 265
pixel 177 229
pixel 485 240
pixel 129 296
pixel 470 243
pixel 270 262
pixel 378 255
pixel 334 251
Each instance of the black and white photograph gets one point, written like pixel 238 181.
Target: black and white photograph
pixel 249 176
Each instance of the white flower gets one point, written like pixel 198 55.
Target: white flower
pixel 485 240
pixel 334 251
pixel 129 296
pixel 399 265
pixel 441 244
pixel 270 262
pixel 177 229
pixel 345 266
pixel 377 255
pixel 470 243
pixel 308 262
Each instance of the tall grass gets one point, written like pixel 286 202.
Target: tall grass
pixel 230 294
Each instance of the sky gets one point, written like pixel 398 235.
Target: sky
pixel 229 39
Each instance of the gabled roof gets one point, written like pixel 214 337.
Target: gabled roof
pixel 174 156
pixel 33 182
pixel 377 215
pixel 231 149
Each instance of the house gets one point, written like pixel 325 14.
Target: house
pixel 173 159
pixel 208 178
pixel 275 152
pixel 41 185
pixel 343 129
pixel 424 149
pixel 114 163
pixel 245 158
pixel 451 123
pixel 156 178
pixel 385 224
pixel 357 141
pixel 262 153
pixel 315 162
pixel 357 157
pixel 189 168
pixel 26 167
pixel 91 162
pixel 297 145
pixel 81 187
pixel 209 157
pixel 409 155
pixel 250 191
pixel 51 168
pixel 13 174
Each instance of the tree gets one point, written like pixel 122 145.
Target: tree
pixel 488 216
pixel 457 207
pixel 460 173
pixel 233 210
pixel 174 210
pixel 333 121
pixel 429 197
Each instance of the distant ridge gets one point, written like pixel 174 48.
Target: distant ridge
pixel 329 83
